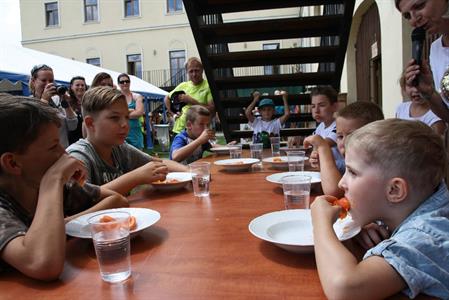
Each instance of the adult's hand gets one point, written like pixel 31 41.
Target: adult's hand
pixel 424 75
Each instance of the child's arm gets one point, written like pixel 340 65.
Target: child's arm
pixel 249 109
pixel 184 152
pixel 439 127
pixel 284 118
pixel 108 199
pixel 341 276
pixel 150 172
pixel 40 253
pixel 330 176
pixel 174 166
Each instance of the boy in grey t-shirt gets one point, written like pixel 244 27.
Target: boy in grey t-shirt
pixel 35 200
pixel 109 161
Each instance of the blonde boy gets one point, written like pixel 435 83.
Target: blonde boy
pixel 394 173
pixel 190 143
pixel 331 160
pixel 108 159
pixel 35 201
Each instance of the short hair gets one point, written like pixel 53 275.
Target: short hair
pixel 365 111
pixel 100 98
pixel 195 111
pixel 327 91
pixel 98 78
pixel 402 148
pixel 192 60
pixel 397 2
pixel 20 120
pixel 123 75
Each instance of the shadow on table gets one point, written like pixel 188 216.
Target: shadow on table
pixel 290 259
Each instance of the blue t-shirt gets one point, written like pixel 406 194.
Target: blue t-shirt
pixel 339 160
pixel 419 248
pixel 182 139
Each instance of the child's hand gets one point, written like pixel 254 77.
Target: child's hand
pixel 314 159
pixel 153 171
pixel 315 141
pixel 371 235
pixel 256 95
pixel 64 169
pixel 206 135
pixel 322 209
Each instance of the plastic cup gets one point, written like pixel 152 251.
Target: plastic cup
pixel 296 160
pixel 275 146
pixel 296 191
pixel 112 246
pixel 235 151
pixel 256 150
pixel 200 178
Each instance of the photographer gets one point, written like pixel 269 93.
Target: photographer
pixel 43 87
pixel 196 91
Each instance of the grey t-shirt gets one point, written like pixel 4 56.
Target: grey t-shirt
pixel 125 158
pixel 15 221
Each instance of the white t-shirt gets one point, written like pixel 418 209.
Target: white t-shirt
pixel 329 132
pixel 273 128
pixel 439 63
pixel 403 112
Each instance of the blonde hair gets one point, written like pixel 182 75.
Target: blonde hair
pixel 402 148
pixel 193 60
pixel 100 98
pixel 195 111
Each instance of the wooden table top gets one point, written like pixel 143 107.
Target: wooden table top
pixel 199 249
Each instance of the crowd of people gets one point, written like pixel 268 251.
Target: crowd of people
pixel 391 171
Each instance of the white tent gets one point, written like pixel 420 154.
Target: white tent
pixel 16 63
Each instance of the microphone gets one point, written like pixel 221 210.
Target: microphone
pixel 418 37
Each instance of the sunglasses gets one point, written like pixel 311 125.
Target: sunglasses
pixel 37 68
pixel 124 81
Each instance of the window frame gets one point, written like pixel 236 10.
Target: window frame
pixel 128 62
pixel 132 6
pixel 183 76
pixel 175 11
pixel 92 58
pixel 85 6
pixel 46 14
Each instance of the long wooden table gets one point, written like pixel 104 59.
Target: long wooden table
pixel 200 249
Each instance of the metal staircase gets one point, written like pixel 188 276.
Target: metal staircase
pixel 212 36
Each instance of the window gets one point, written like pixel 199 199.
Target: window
pixel 51 14
pixel 94 61
pixel 177 70
pixel 134 64
pixel 271 70
pixel 174 6
pixel 90 10
pixel 131 8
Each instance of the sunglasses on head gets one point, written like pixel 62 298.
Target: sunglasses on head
pixel 37 68
pixel 124 81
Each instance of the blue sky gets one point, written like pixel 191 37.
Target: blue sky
pixel 10 21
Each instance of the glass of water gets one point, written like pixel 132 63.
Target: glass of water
pixel 296 191
pixel 200 178
pixel 235 151
pixel 296 160
pixel 275 146
pixel 110 235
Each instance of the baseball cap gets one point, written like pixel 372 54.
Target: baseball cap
pixel 266 102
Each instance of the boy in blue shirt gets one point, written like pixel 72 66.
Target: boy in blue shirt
pixel 394 174
pixel 189 144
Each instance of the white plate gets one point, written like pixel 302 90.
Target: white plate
pixel 183 179
pixel 292 229
pixel 220 150
pixel 277 177
pixel 237 164
pixel 144 217
pixel 283 163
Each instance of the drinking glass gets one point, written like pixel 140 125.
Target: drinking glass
pixel 200 178
pixel 275 146
pixel 112 246
pixel 235 151
pixel 296 160
pixel 256 150
pixel 296 191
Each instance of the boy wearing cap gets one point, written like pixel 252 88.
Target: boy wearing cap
pixel 266 122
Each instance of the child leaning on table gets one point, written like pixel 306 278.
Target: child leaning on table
pixel 266 122
pixel 189 144
pixel 35 197
pixel 349 119
pixel 108 159
pixel 394 173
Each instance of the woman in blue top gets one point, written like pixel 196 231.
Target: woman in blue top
pixel 136 110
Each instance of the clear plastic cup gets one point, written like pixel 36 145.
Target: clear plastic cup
pixel 235 151
pixel 275 146
pixel 296 160
pixel 296 191
pixel 200 178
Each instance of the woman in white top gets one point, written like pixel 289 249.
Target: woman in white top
pixel 418 109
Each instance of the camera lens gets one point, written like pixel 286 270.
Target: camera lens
pixel 61 89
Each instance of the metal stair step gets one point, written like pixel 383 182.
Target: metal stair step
pixel 299 99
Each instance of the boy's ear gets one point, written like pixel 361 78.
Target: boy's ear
pixel 9 165
pixel 88 121
pixel 397 190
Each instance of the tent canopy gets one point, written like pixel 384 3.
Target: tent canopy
pixel 16 63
